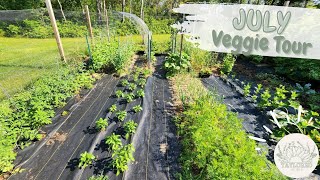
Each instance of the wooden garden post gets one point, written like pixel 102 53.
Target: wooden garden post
pixel 89 23
pixel 55 29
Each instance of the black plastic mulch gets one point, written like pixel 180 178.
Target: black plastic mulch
pixel 156 144
pixel 54 158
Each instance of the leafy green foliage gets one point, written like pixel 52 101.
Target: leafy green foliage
pixel 140 93
pixel 215 146
pixel 101 124
pixel 129 97
pixel 119 94
pixel 141 82
pixel 137 108
pixel 124 83
pixel 113 108
pixel 112 56
pixel 246 89
pixel 121 115
pixel 228 62
pixel 130 128
pixel 22 115
pixel 86 159
pixel 174 64
pixel 265 99
pixel 114 142
pixel 279 97
pixel 304 122
pixel 132 86
pixel 121 157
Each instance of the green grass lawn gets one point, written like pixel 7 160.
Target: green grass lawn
pixel 24 60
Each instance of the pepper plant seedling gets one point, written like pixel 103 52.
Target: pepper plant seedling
pixel 101 124
pixel 137 108
pixel 129 97
pixel 132 87
pixel 246 90
pixel 140 93
pixel 122 157
pixel 114 142
pixel 121 115
pixel 130 128
pixel 119 94
pixel 113 108
pixel 86 159
pixel 124 83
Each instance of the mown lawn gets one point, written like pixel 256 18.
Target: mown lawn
pixel 24 60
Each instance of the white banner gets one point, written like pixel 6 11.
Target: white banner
pixel 253 29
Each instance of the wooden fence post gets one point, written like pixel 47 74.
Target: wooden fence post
pixel 89 23
pixel 55 29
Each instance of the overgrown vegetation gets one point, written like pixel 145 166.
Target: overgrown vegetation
pixel 215 146
pixel 174 63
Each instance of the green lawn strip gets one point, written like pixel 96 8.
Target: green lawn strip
pixel 214 144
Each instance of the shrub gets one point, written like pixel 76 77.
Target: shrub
pixel 13 30
pixel 215 146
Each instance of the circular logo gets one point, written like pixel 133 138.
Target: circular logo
pixel 296 155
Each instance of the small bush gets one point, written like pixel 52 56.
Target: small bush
pixel 13 30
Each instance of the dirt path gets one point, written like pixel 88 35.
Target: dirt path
pixel 157 148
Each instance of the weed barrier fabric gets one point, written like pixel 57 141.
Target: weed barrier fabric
pixel 156 144
pixel 54 158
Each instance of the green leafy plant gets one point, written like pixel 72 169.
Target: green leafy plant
pixel 129 97
pixel 305 90
pixel 141 82
pixel 132 86
pixel 64 113
pixel 246 89
pixel 122 157
pixel 137 108
pixel 228 62
pixel 174 64
pixel 140 93
pixel 121 115
pixel 254 98
pixel 124 83
pixel 114 142
pixel 130 128
pixel 136 76
pixel 265 99
pixel 119 94
pixel 113 108
pixel 304 122
pixel 101 124
pixel 279 97
pixel 258 89
pixel 86 159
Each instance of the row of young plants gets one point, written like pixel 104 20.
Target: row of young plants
pixel 22 115
pixel 214 144
pixel 283 105
pixel 122 153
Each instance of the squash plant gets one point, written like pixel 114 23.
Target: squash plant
pixel 130 128
pixel 101 124
pixel 122 157
pixel 174 64
pixel 114 142
pixel 86 159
